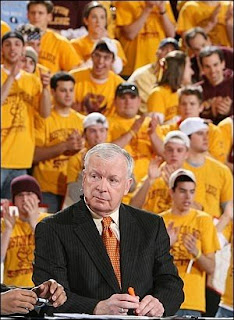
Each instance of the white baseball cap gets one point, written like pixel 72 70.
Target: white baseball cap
pixel 177 136
pixel 178 173
pixel 93 119
pixel 192 125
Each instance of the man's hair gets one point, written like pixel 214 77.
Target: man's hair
pixel 108 151
pixel 89 7
pixel 209 51
pixel 191 34
pixel 60 76
pixel 174 69
pixel 102 47
pixel 191 90
pixel 48 4
pixel 182 178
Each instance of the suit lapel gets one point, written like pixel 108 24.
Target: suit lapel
pixel 129 245
pixel 85 229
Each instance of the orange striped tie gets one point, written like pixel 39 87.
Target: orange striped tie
pixel 112 246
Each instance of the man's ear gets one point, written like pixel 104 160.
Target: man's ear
pixel 49 17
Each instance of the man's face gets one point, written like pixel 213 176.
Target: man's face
pixel 197 43
pixel 199 141
pixel 64 94
pixel 23 201
pixel 102 64
pixel 95 134
pixel 189 106
pixel 183 195
pixel 38 16
pixel 127 105
pixel 12 50
pixel 175 153
pixel 212 68
pixel 35 44
pixel 105 182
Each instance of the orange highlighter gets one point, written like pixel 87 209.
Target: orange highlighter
pixel 131 291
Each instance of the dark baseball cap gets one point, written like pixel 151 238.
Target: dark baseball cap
pixel 126 88
pixel 13 34
pixel 172 41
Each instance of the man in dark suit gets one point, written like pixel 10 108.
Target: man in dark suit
pixel 70 248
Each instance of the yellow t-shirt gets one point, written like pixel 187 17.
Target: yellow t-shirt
pixel 226 127
pixel 164 102
pixel 201 224
pixel 139 147
pixel 141 50
pixel 94 96
pixel 75 165
pixel 18 267
pixel 4 28
pixel 195 14
pixel 216 142
pixel 52 174
pixel 17 120
pixel 57 53
pixel 84 47
pixel 145 79
pixel 158 198
pixel 227 296
pixel 214 185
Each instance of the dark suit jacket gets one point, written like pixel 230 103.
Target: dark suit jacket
pixel 70 250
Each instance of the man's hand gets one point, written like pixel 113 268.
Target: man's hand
pixel 31 207
pixel 173 233
pixel 190 242
pixel 153 171
pixel 153 124
pixel 45 79
pixel 150 306
pixel 224 105
pixel 17 301
pixel 137 124
pixel 53 291
pixel 229 14
pixel 74 143
pixel 167 170
pixel 117 304
pixel 9 220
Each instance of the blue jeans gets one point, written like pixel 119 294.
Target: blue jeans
pixel 53 201
pixel 224 313
pixel 185 312
pixel 7 175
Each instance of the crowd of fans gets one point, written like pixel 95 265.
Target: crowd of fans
pixel 155 78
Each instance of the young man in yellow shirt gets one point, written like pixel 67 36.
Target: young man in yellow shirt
pixel 22 97
pixel 56 52
pixel 95 87
pixel 57 138
pixel 17 238
pixel 193 241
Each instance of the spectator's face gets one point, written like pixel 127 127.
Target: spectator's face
pixel 212 68
pixel 102 64
pixel 12 50
pixel 188 72
pixel 96 20
pixel 183 195
pixel 127 105
pixel 64 94
pixel 24 201
pixel 199 141
pixel 189 106
pixel 175 153
pixel 197 43
pixel 38 16
pixel 29 65
pixel 105 182
pixel 95 134
pixel 35 44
